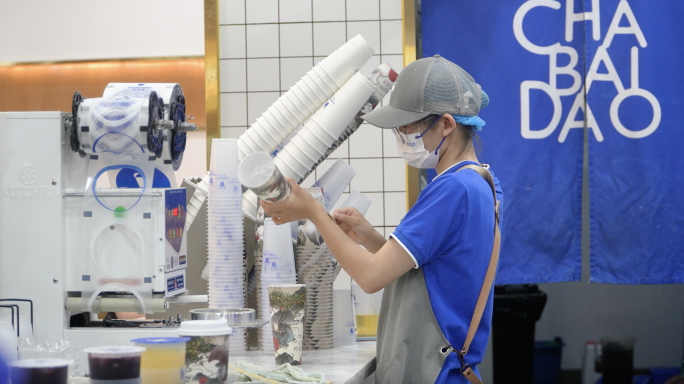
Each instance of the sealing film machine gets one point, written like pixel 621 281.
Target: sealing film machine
pixel 92 220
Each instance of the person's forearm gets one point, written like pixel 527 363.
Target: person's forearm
pixel 374 245
pixel 353 259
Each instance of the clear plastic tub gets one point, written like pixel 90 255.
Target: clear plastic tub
pixel 163 361
pixel 39 371
pixel 114 365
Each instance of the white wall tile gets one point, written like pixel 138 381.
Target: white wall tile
pixel 388 231
pixel 391 37
pixel 366 142
pixel 296 40
pixel 370 30
pixel 259 103
pixel 375 214
pixel 231 132
pixel 328 37
pixel 395 175
pixel 389 144
pixel 262 11
pixel 231 11
pixel 233 74
pixel 390 9
pixel 363 10
pixel 292 11
pixel 262 40
pixel 395 207
pixel 231 42
pixel 292 70
pixel 263 75
pixel 368 174
pixel 234 109
pixel 395 61
pixel 328 10
pixel 341 152
pixel 370 65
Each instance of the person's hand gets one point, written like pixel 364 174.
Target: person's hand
pixel 300 205
pixel 352 222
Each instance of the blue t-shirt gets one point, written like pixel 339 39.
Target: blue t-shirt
pixel 450 234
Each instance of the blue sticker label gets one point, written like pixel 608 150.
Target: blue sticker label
pixel 171 284
pixel 180 284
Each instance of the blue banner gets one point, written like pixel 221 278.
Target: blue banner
pixel 635 91
pixel 530 63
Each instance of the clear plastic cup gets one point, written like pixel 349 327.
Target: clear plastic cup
pixel 359 201
pixel 163 361
pixel 224 157
pixel 366 311
pixel 334 181
pixel 259 173
pixel 114 365
pixel 39 371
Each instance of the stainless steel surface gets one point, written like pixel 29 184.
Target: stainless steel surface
pixel 114 194
pixel 234 316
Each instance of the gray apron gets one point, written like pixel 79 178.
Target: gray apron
pixel 411 347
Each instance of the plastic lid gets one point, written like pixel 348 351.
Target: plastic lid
pixel 161 340
pixel 115 351
pixel 205 328
pixel 40 363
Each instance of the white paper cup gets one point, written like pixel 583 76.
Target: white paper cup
pixel 347 59
pixel 334 181
pixel 286 304
pixel 290 166
pixel 335 115
pixel 313 140
pixel 292 108
pixel 359 201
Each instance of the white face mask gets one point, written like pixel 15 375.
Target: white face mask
pixel 412 149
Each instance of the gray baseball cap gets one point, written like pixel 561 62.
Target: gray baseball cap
pixel 425 87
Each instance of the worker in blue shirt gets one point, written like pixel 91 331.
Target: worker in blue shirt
pixel 438 266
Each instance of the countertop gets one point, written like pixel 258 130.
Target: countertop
pixel 344 365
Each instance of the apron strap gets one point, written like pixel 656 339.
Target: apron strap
pixel 466 370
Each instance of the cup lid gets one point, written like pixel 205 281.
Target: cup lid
pixel 40 363
pixel 114 351
pixel 204 328
pixel 161 340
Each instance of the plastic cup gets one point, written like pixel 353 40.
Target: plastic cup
pixel 259 173
pixel 163 361
pixel 297 160
pixel 347 59
pixel 224 159
pixel 334 181
pixel 114 365
pixel 366 311
pixel 286 163
pixel 286 303
pixel 359 201
pixel 39 371
pixel 207 351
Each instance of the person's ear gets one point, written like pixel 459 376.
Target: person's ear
pixel 448 123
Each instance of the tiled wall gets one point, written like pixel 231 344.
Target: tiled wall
pixel 268 45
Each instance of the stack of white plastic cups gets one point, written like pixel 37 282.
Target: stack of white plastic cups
pixel 321 131
pixel 277 267
pixel 302 100
pixel 225 232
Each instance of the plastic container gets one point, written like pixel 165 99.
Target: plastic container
pixel 207 352
pixel 334 181
pixel 259 173
pixel 547 361
pixel 163 361
pixel 366 311
pixel 39 371
pixel 359 201
pixel 114 365
pixel 9 342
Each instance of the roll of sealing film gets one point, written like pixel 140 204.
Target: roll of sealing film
pixel 121 125
pixel 174 110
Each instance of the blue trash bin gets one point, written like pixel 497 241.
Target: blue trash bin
pixel 547 361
